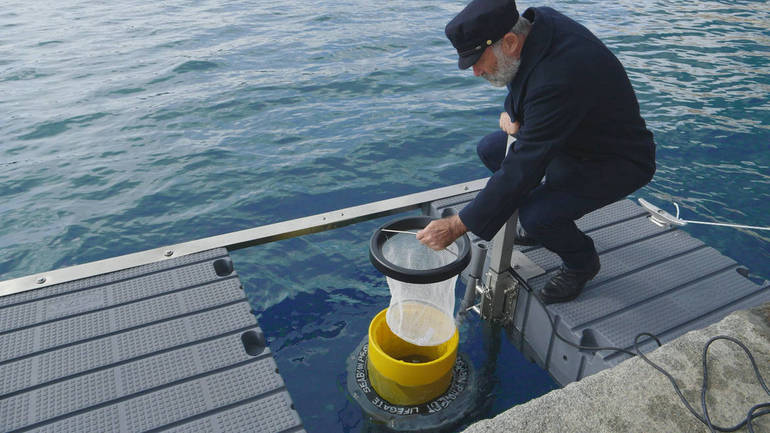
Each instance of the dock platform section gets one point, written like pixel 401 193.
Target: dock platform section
pixel 653 279
pixel 169 346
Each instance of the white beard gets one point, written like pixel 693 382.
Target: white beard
pixel 507 67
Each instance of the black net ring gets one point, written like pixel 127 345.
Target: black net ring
pixel 414 276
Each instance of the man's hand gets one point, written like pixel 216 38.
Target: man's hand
pixel 506 125
pixel 440 233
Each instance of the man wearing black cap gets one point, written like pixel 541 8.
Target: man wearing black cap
pixel 576 121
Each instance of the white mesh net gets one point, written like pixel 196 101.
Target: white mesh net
pixel 421 314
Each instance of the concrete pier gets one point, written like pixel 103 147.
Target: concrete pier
pixel 634 397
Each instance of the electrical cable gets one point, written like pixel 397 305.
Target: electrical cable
pixel 705 419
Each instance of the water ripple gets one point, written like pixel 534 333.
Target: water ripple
pixel 136 125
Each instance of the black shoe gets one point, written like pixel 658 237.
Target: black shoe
pixel 567 284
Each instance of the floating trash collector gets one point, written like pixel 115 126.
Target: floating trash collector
pixel 421 280
pixel 407 373
pixel 404 373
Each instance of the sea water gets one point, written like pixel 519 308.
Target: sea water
pixel 140 124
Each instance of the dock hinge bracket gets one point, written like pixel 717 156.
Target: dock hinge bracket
pixel 498 300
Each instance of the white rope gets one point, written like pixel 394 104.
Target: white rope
pixel 399 231
pixel 660 214
pixel 415 233
pixel 737 226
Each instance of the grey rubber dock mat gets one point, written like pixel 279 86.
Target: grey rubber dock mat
pixel 653 279
pixel 171 346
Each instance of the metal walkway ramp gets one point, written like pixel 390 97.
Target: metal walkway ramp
pixel 169 346
pixel 653 279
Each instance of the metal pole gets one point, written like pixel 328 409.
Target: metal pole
pixel 498 279
pixel 475 268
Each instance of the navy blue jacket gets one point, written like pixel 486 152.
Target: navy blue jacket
pixel 579 124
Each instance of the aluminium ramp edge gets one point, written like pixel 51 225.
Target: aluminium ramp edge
pixel 653 279
pixel 168 346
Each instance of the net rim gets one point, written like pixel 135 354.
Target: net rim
pixel 423 276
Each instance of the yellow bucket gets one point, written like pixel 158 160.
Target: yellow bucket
pixel 406 374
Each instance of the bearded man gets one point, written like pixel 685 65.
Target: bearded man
pixel 581 143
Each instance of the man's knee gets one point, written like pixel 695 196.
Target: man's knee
pixel 491 149
pixel 539 216
pixel 533 220
pixel 546 210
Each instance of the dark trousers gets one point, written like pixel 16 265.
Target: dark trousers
pixel 549 215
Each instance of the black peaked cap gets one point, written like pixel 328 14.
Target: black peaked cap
pixel 479 25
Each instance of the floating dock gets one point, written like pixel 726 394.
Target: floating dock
pixel 655 279
pixel 165 340
pixel 170 346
